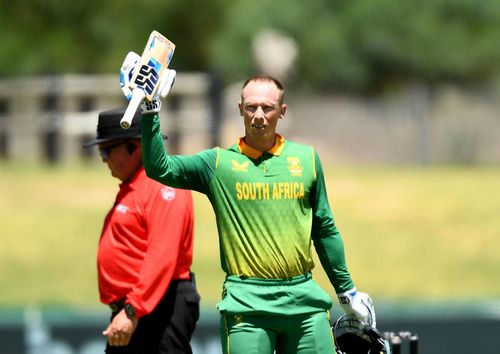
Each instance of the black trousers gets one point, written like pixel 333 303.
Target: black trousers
pixel 168 329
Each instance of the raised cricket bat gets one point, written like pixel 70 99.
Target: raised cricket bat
pixel 145 82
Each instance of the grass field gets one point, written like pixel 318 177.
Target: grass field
pixel 410 232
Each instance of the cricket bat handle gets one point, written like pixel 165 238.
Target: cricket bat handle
pixel 138 95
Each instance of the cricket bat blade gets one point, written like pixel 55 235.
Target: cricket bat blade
pixel 145 81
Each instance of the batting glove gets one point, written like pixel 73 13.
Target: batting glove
pixel 358 304
pixel 130 64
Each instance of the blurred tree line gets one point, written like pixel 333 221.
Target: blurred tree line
pixel 354 45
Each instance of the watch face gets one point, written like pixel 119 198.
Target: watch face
pixel 129 309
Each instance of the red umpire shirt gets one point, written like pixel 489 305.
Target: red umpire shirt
pixel 146 241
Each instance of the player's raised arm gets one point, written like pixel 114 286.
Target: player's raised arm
pixel 188 172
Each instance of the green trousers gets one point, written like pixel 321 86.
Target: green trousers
pixel 286 316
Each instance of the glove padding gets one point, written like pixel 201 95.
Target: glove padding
pixel 358 304
pixel 130 64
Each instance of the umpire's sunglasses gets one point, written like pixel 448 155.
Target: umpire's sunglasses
pixel 105 151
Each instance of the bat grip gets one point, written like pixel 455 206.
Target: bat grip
pixel 137 97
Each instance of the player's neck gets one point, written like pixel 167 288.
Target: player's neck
pixel 261 144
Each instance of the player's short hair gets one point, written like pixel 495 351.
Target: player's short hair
pixel 265 78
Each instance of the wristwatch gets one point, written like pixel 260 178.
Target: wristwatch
pixel 129 310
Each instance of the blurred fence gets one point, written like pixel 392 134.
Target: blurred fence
pixel 414 125
pixel 49 117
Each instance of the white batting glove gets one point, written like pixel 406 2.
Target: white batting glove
pixel 130 64
pixel 127 71
pixel 358 304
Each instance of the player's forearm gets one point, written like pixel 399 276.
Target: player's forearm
pixel 158 164
pixel 331 254
pixel 330 246
pixel 154 153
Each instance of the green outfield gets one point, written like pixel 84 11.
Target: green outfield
pixel 410 232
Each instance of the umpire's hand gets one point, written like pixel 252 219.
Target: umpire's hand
pixel 120 329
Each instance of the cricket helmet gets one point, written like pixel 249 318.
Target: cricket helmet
pixel 351 336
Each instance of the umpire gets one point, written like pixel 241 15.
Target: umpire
pixel 145 251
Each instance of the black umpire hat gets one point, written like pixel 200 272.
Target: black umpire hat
pixel 109 129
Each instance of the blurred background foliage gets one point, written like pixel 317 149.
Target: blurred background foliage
pixel 357 46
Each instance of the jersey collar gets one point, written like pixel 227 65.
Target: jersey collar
pixel 254 154
pixel 136 179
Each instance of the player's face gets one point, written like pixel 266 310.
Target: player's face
pixel 261 108
pixel 121 162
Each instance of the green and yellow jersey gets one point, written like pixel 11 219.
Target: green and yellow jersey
pixel 269 207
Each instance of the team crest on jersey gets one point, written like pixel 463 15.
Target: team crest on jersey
pixel 241 167
pixel 168 193
pixel 294 166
